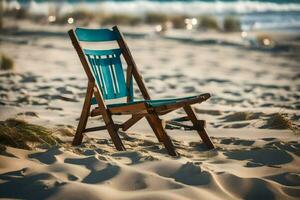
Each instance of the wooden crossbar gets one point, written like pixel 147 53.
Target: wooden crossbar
pixel 98 128
pixel 181 104
pixel 200 123
pixel 130 122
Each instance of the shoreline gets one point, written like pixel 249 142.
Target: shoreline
pixel 283 39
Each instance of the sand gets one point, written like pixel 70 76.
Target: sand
pixel 252 117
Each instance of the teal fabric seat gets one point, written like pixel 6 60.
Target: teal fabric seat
pixel 107 70
pixel 151 103
pixel 105 65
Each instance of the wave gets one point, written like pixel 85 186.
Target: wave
pixel 170 7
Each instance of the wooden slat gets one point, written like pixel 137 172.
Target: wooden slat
pixel 178 124
pixel 126 53
pixel 129 109
pixel 130 122
pixel 181 119
pixel 200 127
pixel 111 128
pixel 126 110
pixel 161 133
pixel 164 112
pixel 129 84
pixel 80 55
pixel 131 63
pixel 84 114
pixel 154 128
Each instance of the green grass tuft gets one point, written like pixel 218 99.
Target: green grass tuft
pixel 6 63
pixel 231 24
pixel 20 134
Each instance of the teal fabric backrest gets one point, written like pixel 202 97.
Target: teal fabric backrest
pixel 106 65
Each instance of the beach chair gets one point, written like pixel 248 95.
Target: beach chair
pixel 107 81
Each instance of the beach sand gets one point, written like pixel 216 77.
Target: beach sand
pixel 252 118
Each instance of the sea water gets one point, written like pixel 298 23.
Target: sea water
pixel 254 15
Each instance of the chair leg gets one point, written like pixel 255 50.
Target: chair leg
pixel 84 115
pixel 152 125
pixel 113 132
pixel 199 127
pixel 159 130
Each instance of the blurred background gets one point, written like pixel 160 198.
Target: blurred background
pixel 200 15
pixel 181 19
pixel 244 52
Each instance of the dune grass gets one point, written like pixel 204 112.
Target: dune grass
pixel 121 19
pixel 21 13
pixel 155 18
pixel 20 134
pixel 1 15
pixel 265 40
pixel 83 17
pixel 240 116
pixel 80 16
pixel 279 121
pixel 6 63
pixel 231 24
pixel 178 21
pixel 208 23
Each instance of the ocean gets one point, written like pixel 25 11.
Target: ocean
pixel 255 15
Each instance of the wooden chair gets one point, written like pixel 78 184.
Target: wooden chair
pixel 106 81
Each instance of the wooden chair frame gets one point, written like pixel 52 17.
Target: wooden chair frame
pixel 137 110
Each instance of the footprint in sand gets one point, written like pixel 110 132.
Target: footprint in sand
pixel 54 108
pixel 208 112
pixel 241 116
pixel 266 156
pixel 237 142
